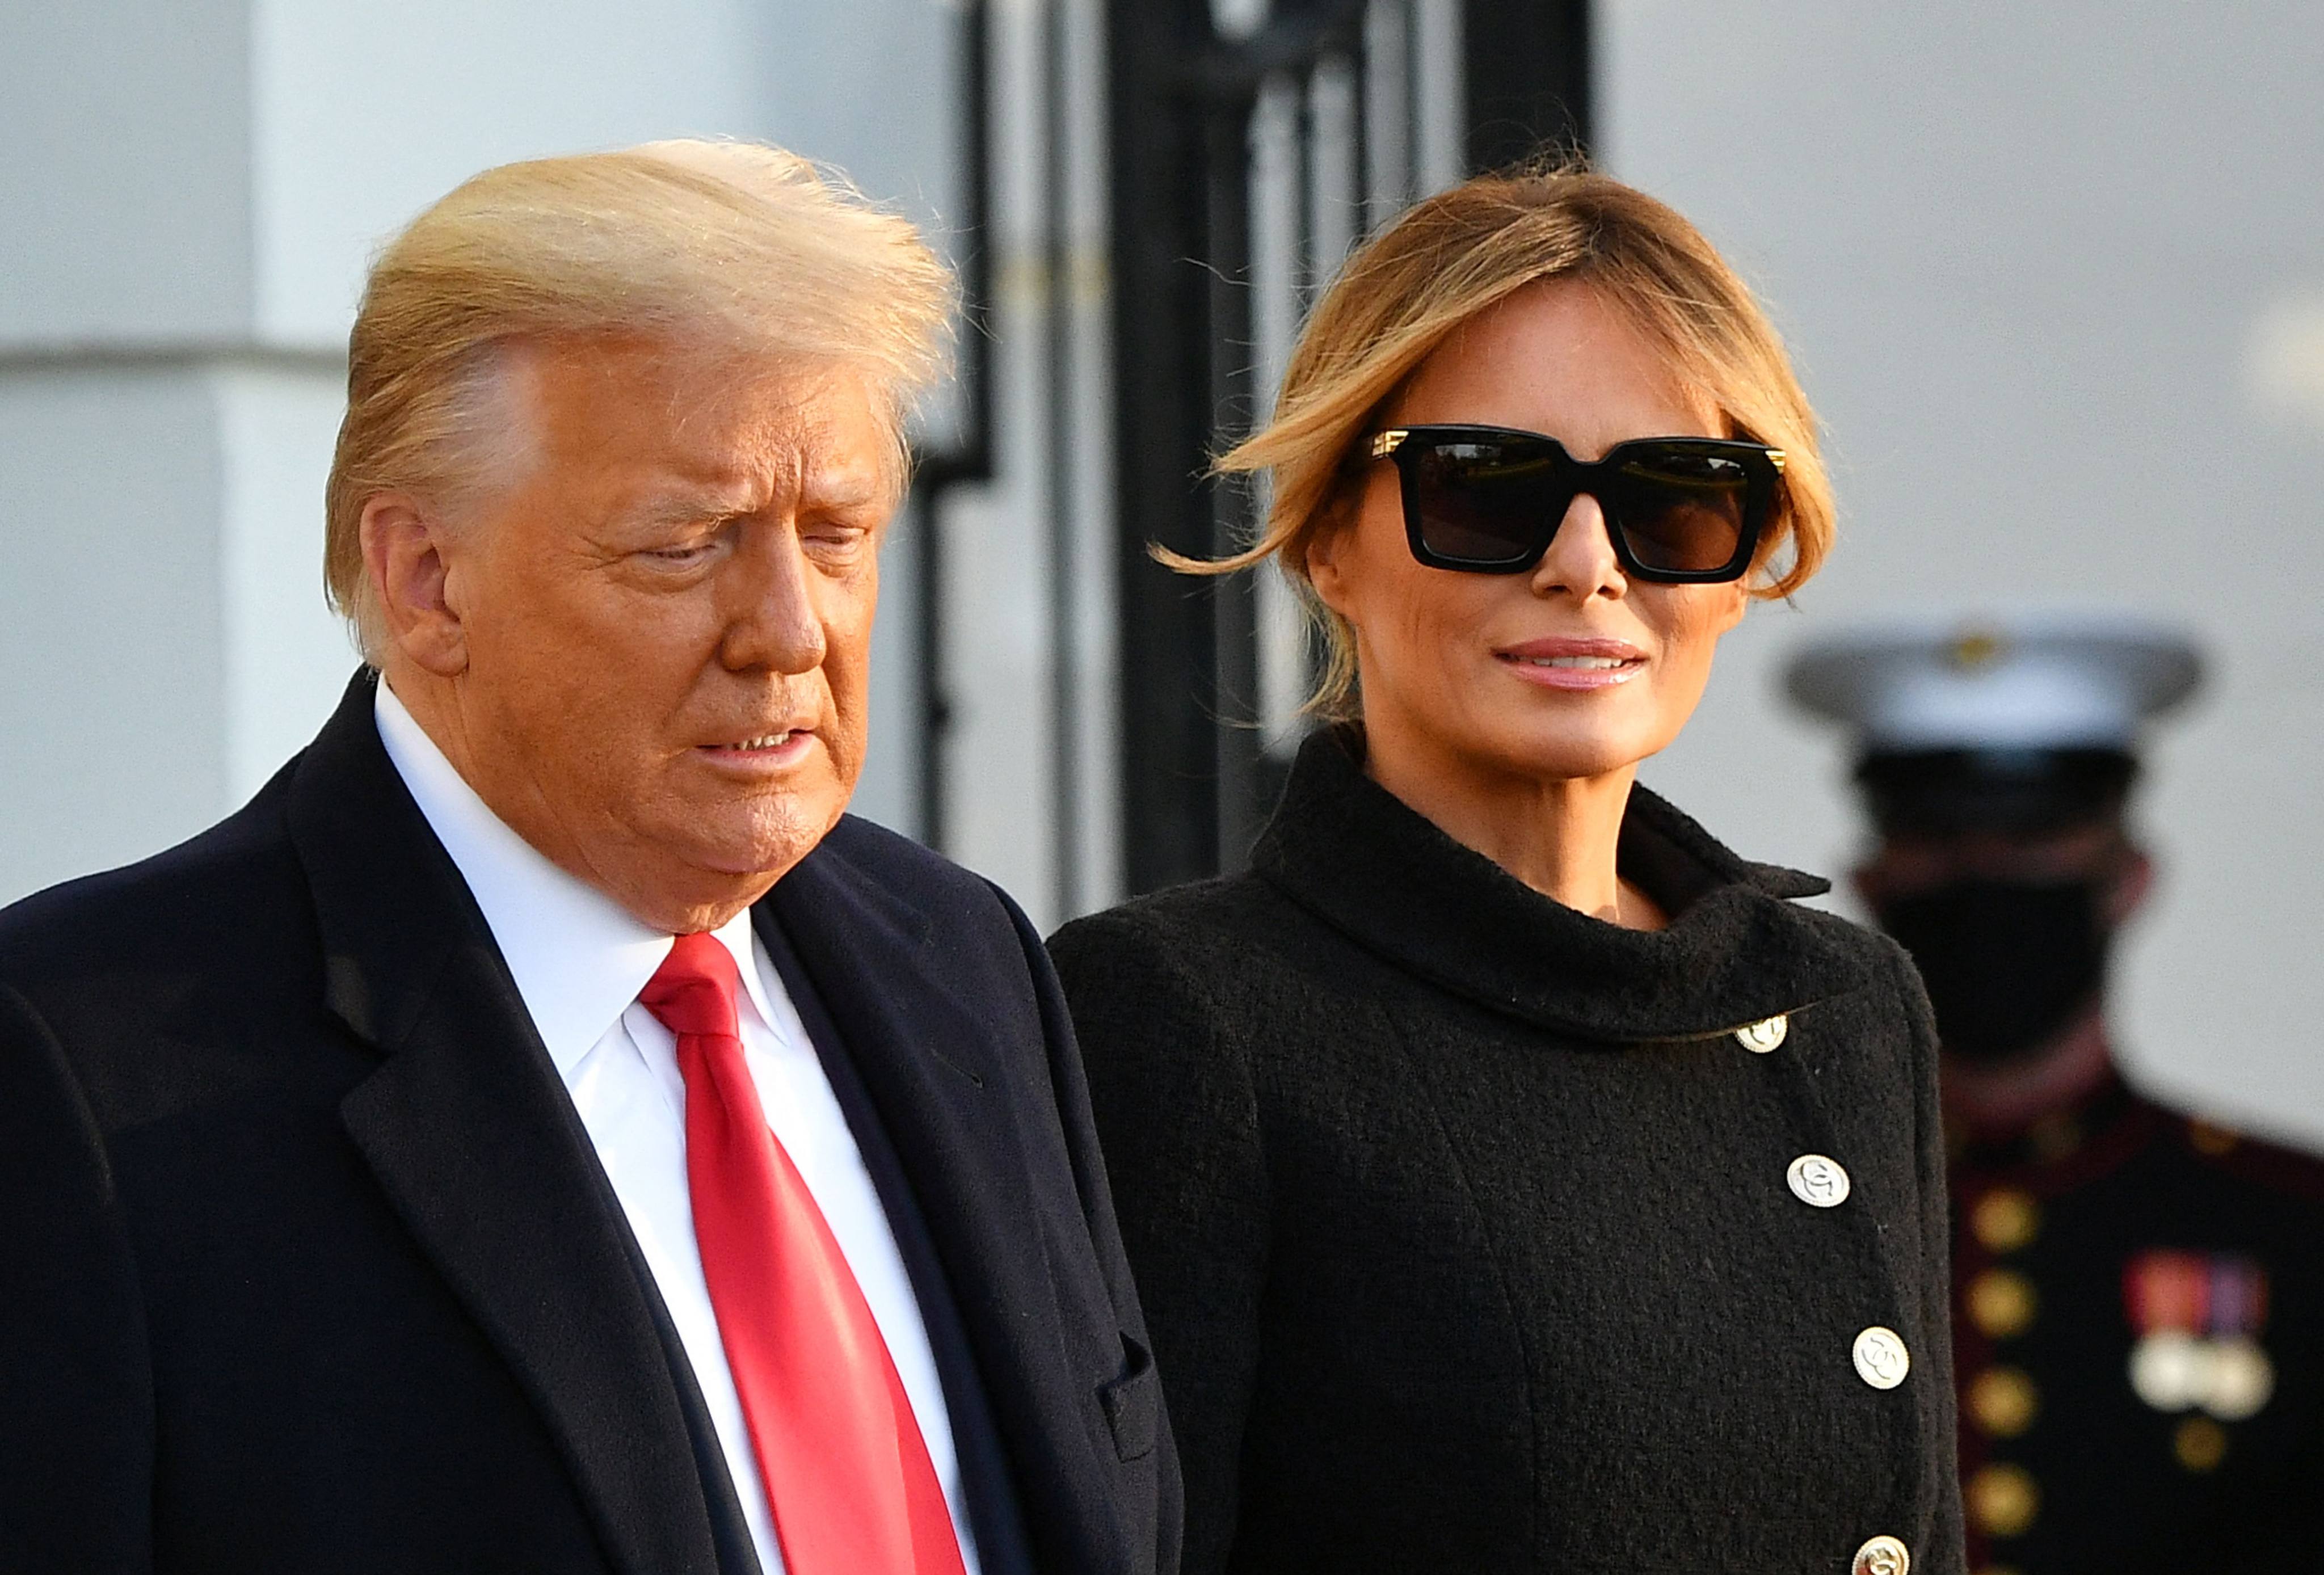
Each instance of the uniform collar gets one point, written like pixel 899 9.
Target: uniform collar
pixel 2074 1143
pixel 1736 952
pixel 578 957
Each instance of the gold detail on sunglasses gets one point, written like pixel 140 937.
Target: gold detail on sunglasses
pixel 1387 442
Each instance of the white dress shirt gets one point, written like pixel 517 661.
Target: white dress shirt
pixel 579 961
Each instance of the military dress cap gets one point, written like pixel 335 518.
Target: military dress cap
pixel 2013 722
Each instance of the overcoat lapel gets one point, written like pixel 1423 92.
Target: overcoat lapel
pixel 943 1090
pixel 480 1152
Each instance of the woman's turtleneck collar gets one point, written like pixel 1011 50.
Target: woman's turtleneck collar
pixel 1734 953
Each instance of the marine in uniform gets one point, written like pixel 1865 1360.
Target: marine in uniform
pixel 2139 1292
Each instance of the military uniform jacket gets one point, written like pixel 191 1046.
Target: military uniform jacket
pixel 2141 1346
pixel 1477 1234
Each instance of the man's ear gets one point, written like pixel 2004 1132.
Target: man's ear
pixel 1873 877
pixel 403 556
pixel 2127 893
pixel 1864 879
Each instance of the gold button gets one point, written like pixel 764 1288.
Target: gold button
pixel 1881 1556
pixel 1818 1182
pixel 1763 1035
pixel 2006 1218
pixel 2200 1444
pixel 2212 1139
pixel 2002 1401
pixel 1881 1359
pixel 2002 1499
pixel 2001 1303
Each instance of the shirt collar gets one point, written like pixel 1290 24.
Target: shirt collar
pixel 578 956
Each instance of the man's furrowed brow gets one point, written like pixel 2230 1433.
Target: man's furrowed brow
pixel 844 489
pixel 691 505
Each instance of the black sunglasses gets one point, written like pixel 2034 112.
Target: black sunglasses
pixel 1488 499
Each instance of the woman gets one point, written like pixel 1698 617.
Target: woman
pixel 1515 1178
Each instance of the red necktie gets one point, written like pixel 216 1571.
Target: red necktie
pixel 846 1472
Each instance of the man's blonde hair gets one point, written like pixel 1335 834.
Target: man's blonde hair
pixel 721 244
pixel 1442 264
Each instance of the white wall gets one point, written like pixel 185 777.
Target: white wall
pixel 110 670
pixel 2042 268
pixel 124 194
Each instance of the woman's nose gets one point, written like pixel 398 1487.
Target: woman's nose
pixel 1581 561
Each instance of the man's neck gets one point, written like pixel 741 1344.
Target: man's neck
pixel 1989 1100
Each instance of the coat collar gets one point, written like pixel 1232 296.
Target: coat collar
pixel 479 1151
pixel 948 1092
pixel 1736 951
pixel 579 959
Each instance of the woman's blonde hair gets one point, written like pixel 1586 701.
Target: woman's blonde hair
pixel 1443 263
pixel 725 244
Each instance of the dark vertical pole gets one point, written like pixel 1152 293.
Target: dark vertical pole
pixel 1527 69
pixel 972 459
pixel 1065 686
pixel 935 699
pixel 1234 606
pixel 1161 190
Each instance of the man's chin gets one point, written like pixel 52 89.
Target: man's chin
pixel 682 895
pixel 758 841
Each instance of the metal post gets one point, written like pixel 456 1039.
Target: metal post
pixel 972 459
pixel 1234 614
pixel 1527 66
pixel 1161 223
pixel 1064 685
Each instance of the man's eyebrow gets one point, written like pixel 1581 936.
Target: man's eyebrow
pixel 852 488
pixel 680 502
pixel 688 505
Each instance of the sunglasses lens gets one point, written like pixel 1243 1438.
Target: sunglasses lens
pixel 1682 510
pixel 1480 502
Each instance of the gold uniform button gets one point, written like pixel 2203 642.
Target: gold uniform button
pixel 2006 1218
pixel 2001 1303
pixel 2212 1139
pixel 2200 1444
pixel 1881 1359
pixel 2002 1401
pixel 2002 1499
pixel 1763 1035
pixel 1818 1182
pixel 1881 1556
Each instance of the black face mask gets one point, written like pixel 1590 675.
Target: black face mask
pixel 2007 963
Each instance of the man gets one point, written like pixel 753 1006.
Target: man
pixel 539 1132
pixel 2140 1303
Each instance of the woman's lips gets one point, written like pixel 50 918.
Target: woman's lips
pixel 1573 663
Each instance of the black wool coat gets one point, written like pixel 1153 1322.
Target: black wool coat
pixel 310 1266
pixel 1462 1222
